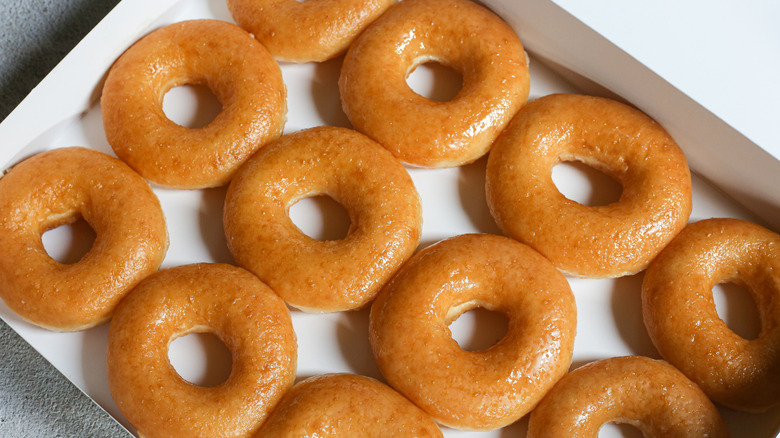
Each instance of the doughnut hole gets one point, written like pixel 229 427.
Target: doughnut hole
pixel 434 81
pixel 619 430
pixel 584 184
pixel 475 328
pixel 737 308
pixel 201 358
pixel 320 217
pixel 69 242
pixel 191 105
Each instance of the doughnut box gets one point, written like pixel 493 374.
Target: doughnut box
pixel 64 110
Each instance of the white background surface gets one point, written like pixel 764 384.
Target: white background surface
pixel 724 54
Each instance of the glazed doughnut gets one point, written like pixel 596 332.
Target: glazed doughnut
pixel 330 275
pixel 227 301
pixel 683 323
pixel 306 31
pixel 457 33
pixel 237 69
pixel 341 405
pixel 650 395
pixel 478 390
pixel 600 241
pixel 59 187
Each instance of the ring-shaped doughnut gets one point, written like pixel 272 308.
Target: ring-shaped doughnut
pixel 590 241
pixel 329 275
pixel 234 66
pixel 650 395
pixel 306 31
pixel 59 187
pixel 344 405
pixel 479 390
pixel 681 318
pixel 457 33
pixel 227 301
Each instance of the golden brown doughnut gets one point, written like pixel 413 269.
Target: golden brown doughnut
pixel 648 394
pixel 227 301
pixel 313 30
pixel 346 405
pixel 220 55
pixel 56 188
pixel 478 390
pixel 683 323
pixel 314 275
pixel 601 241
pixel 456 33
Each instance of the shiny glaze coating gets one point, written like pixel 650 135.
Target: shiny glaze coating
pixel 346 405
pixel 237 69
pixel 313 30
pixel 456 33
pixel 60 187
pixel 601 241
pixel 648 394
pixel 683 323
pixel 227 301
pixel 480 390
pixel 331 275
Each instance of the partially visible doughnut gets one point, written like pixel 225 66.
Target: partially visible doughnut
pixel 227 301
pixel 479 390
pixel 456 33
pixel 681 318
pixel 234 66
pixel 344 405
pixel 332 275
pixel 59 187
pixel 313 30
pixel 600 241
pixel 648 394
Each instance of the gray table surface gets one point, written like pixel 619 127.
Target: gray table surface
pixel 35 399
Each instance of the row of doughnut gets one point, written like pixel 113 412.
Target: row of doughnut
pixel 413 296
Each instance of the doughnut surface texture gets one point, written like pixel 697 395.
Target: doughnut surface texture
pixel 346 405
pixel 329 275
pixel 455 33
pixel 648 394
pixel 479 390
pixel 219 55
pixel 59 187
pixel 227 301
pixel 313 30
pixel 682 320
pixel 600 241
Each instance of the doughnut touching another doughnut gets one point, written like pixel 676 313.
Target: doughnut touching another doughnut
pixel 234 66
pixel 479 390
pixel 681 318
pixel 330 275
pixel 306 31
pixel 341 405
pixel 612 240
pixel 60 187
pixel 648 394
pixel 232 304
pixel 456 33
